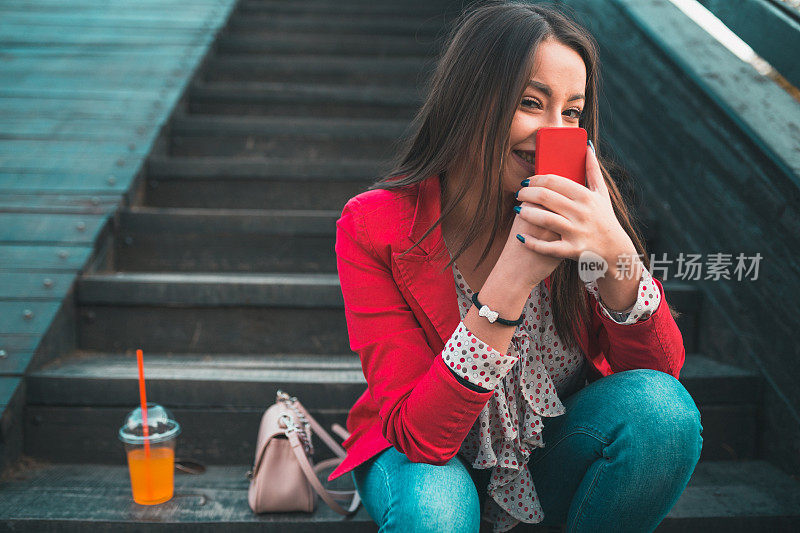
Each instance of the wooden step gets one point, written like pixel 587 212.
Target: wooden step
pixel 313 139
pixel 231 313
pixel 225 240
pixel 362 71
pixel 722 496
pixel 232 389
pixel 296 43
pixel 286 99
pixel 233 183
pixel 352 7
pixel 335 24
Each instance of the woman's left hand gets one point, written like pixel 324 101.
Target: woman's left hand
pixel 583 216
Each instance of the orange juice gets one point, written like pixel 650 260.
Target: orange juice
pixel 152 477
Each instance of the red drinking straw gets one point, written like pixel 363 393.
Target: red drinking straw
pixel 143 399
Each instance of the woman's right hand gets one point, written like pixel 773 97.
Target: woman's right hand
pixel 532 265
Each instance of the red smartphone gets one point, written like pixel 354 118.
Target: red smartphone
pixel 562 151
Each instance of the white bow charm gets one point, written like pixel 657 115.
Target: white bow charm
pixel 491 315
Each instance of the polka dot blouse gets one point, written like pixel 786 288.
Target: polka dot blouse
pixel 510 424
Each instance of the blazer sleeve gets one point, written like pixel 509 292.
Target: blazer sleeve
pixel 655 342
pixel 425 411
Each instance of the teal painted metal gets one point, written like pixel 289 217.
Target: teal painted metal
pixel 756 104
pixel 769 29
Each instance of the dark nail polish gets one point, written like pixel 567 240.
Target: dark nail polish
pixel 520 237
pixel 525 182
pixel 591 146
pixel 517 209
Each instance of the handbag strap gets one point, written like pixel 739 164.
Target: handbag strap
pixel 324 435
pixel 327 496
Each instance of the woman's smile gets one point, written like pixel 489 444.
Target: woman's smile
pixel 525 159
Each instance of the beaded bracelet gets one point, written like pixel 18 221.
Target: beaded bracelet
pixel 492 316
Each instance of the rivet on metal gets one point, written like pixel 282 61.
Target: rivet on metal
pixel 27 314
pixel 3 354
pixel 63 254
pixel 111 180
pixel 48 283
pixel 81 226
pixel 95 200
pixel 120 162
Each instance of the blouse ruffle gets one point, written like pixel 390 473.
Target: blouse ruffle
pixel 527 382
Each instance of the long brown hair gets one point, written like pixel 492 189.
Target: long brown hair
pixel 462 129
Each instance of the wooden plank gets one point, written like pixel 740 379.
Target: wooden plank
pixel 59 5
pixel 16 351
pixel 86 93
pixel 72 129
pixel 35 81
pixel 98 204
pixel 8 387
pixel 72 109
pixel 21 228
pixel 110 32
pixel 38 153
pixel 26 317
pixel 34 286
pixel 108 177
pixel 110 50
pixel 40 36
pixel 43 258
pixel 83 65
pixel 153 20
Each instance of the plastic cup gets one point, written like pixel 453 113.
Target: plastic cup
pixel 151 458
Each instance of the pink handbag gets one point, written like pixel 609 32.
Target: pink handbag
pixel 284 478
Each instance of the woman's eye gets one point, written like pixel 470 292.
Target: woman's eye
pixel 578 113
pixel 529 102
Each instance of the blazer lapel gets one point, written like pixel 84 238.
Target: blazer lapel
pixel 423 270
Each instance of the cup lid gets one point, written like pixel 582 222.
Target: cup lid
pixel 161 426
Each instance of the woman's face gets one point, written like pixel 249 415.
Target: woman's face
pixel 554 97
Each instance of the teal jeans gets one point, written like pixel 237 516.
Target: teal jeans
pixel 616 461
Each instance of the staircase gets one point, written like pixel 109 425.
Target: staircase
pixel 224 273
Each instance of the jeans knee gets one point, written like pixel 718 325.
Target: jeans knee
pixel 669 416
pixel 431 499
pixel 439 505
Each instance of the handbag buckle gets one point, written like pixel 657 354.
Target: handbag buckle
pixel 288 423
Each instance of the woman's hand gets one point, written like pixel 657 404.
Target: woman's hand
pixel 533 266
pixel 582 216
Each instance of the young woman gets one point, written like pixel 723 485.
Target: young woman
pixel 566 410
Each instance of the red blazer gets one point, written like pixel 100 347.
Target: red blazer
pixel 401 311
